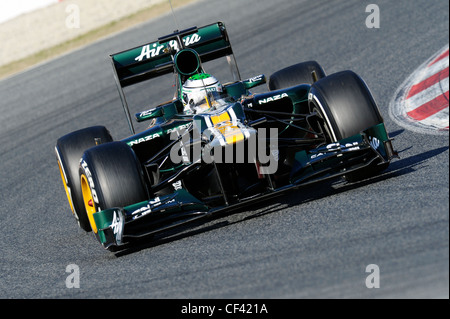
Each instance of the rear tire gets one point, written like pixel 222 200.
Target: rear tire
pixel 300 73
pixel 111 176
pixel 69 150
pixel 345 107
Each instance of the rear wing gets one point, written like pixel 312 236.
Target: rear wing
pixel 156 58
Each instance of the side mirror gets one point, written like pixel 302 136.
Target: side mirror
pixel 255 81
pixel 237 89
pixel 167 111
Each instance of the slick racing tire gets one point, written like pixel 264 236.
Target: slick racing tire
pixel 345 107
pixel 300 73
pixel 69 150
pixel 111 176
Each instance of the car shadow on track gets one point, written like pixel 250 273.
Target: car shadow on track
pixel 315 192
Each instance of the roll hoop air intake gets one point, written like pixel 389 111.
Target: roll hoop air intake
pixel 187 62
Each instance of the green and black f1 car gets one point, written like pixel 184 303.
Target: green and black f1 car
pixel 240 148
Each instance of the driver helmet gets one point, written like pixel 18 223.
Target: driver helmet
pixel 197 92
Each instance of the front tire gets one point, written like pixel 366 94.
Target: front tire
pixel 69 150
pixel 345 107
pixel 111 176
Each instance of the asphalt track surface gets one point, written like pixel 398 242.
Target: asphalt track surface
pixel 314 243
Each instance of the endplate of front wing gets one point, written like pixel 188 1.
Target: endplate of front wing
pixel 369 147
pixel 116 225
